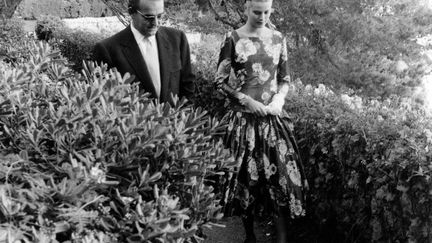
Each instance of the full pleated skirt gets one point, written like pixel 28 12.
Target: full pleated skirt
pixel 269 175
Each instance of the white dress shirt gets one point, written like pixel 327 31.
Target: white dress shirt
pixel 149 51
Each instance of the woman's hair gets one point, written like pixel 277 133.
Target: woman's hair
pixel 263 1
pixel 270 25
pixel 247 2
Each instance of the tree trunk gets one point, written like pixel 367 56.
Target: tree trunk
pixel 8 7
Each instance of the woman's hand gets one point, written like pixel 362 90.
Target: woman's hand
pixel 276 105
pixel 274 109
pixel 254 106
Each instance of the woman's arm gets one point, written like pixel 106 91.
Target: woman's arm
pixel 283 79
pixel 223 75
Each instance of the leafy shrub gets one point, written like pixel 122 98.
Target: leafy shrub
pixel 11 30
pixel 47 26
pixel 85 8
pixel 33 9
pixel 361 45
pixel 12 38
pixel 366 73
pixel 86 158
pixel 367 163
pixel 186 16
pixel 204 56
pixel 77 46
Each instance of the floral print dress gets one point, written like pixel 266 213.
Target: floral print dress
pixel 269 172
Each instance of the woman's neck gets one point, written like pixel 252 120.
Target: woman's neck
pixel 250 31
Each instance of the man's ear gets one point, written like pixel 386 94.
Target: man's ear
pixel 131 10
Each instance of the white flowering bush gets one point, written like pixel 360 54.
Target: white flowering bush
pixel 368 165
pixel 87 158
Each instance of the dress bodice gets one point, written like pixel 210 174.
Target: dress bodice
pixel 255 66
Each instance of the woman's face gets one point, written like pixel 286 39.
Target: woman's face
pixel 258 13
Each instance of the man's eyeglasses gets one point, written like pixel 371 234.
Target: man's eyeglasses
pixel 150 17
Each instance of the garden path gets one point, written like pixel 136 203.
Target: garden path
pixel 234 233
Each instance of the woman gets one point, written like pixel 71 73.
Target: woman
pixel 253 74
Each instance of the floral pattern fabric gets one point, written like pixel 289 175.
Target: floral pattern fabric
pixel 269 170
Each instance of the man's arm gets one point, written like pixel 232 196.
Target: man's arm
pixel 187 78
pixel 101 54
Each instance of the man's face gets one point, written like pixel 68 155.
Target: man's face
pixel 147 18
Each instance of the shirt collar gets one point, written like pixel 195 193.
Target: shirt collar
pixel 139 37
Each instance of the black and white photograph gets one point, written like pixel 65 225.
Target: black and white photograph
pixel 215 121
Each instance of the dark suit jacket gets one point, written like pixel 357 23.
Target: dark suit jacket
pixel 122 51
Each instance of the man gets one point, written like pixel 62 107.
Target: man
pixel 158 56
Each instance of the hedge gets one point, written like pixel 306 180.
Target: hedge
pixel 368 163
pixel 12 40
pixel 87 158
pixel 33 9
pixel 75 45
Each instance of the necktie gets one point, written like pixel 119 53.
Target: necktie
pixel 152 60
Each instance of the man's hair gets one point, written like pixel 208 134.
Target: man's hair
pixel 258 1
pixel 133 5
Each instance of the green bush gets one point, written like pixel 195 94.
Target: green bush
pixel 47 26
pixel 367 73
pixel 186 16
pixel 86 158
pixel 11 30
pixel 204 55
pixel 77 46
pixel 12 40
pixel 33 9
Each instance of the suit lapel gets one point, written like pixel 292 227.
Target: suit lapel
pixel 136 61
pixel 164 51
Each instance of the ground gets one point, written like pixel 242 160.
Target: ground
pixel 234 233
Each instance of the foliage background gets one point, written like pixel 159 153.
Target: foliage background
pixel 365 47
pixel 33 9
